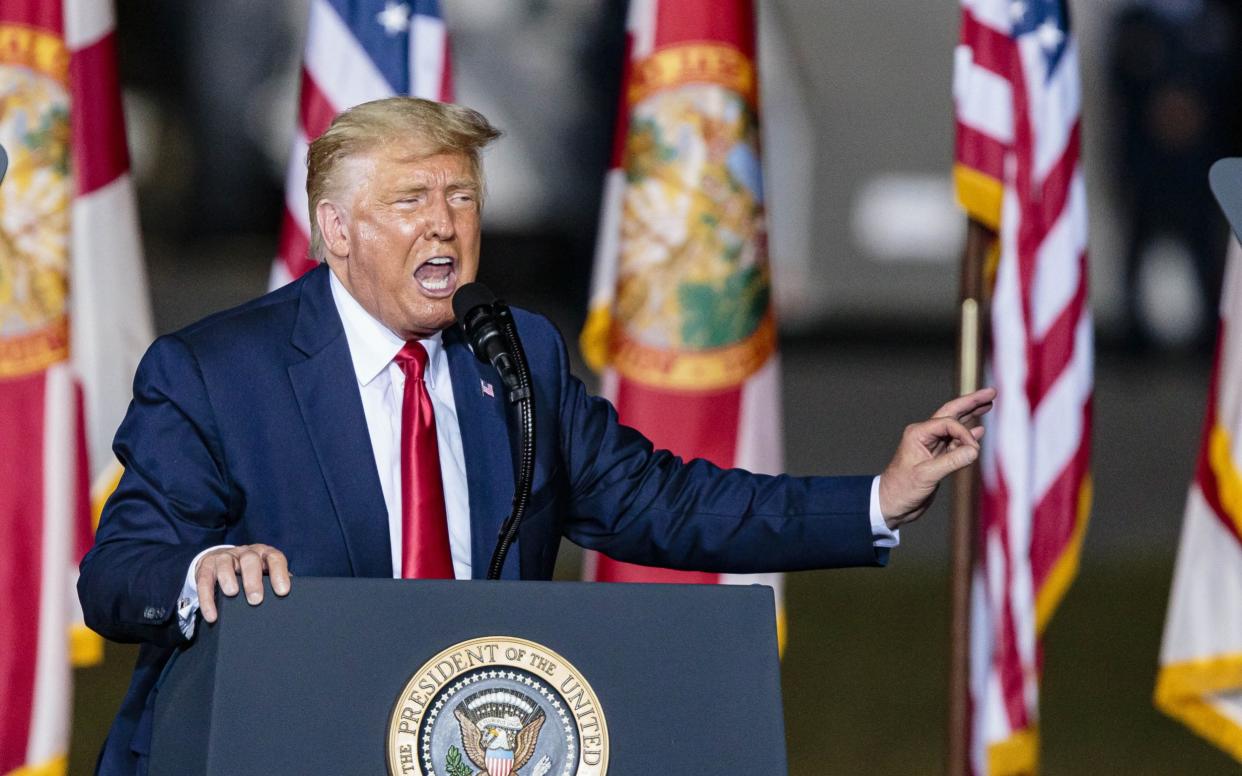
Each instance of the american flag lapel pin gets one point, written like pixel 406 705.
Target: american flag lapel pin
pixel 487 388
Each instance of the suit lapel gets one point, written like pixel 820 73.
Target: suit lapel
pixel 331 406
pixel 485 444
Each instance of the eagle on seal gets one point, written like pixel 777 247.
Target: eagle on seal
pixel 499 730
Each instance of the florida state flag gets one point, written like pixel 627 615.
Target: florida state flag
pixel 681 326
pixel 1200 680
pixel 73 321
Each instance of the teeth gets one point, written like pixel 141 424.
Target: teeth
pixel 434 285
pixel 440 261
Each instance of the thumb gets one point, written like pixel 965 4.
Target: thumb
pixel 950 461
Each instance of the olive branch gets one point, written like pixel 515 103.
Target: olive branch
pixel 454 765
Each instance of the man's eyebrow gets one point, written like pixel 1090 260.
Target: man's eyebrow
pixel 456 185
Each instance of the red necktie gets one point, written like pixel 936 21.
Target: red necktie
pixel 424 523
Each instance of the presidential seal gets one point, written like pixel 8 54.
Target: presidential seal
pixel 497 706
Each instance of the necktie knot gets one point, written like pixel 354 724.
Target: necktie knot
pixel 413 360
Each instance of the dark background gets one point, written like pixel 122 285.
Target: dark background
pixel 867 344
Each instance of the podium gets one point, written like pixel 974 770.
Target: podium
pixel 380 676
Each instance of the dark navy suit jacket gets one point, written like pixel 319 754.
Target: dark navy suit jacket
pixel 248 427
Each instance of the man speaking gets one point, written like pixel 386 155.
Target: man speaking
pixel 341 426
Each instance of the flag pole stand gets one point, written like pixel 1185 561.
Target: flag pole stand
pixel 965 503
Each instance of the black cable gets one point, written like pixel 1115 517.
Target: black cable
pixel 524 398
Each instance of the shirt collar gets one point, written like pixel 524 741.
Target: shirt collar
pixel 372 345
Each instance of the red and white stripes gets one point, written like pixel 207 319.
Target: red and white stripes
pixel 1018 169
pixel 337 73
pixel 50 530
pixel 109 311
pixel 737 423
pixel 57 415
pixel 1200 679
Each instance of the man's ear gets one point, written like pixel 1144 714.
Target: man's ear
pixel 332 226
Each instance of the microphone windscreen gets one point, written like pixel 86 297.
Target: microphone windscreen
pixel 469 297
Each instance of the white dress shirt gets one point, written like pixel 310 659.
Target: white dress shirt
pixel 372 347
pixel 381 383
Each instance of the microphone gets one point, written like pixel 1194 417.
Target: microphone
pixel 483 317
pixel 494 339
pixel 4 163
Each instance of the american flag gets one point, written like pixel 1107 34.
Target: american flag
pixel 1017 94
pixel 356 51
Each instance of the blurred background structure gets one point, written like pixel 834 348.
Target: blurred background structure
pixel 858 138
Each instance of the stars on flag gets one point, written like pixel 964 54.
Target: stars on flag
pixel 1049 35
pixel 395 18
pixel 1046 21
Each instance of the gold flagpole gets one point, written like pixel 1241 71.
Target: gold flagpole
pixel 965 505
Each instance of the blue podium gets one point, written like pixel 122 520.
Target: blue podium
pixel 377 676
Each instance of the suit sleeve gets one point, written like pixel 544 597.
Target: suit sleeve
pixel 641 505
pixel 173 501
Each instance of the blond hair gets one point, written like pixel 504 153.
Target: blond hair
pixel 441 127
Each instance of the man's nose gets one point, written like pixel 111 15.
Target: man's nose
pixel 440 220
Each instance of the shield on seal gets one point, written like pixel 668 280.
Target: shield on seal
pixel 499 762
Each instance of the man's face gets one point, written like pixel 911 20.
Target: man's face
pixel 409 236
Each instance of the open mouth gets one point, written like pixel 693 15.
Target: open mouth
pixel 437 277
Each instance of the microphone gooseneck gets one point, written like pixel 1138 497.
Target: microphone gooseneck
pixel 493 337
pixel 526 441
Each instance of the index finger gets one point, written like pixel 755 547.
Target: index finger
pixel 207 599
pixel 278 571
pixel 965 406
pixel 205 578
pixel 937 431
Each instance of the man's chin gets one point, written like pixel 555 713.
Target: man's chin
pixel 429 319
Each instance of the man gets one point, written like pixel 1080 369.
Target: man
pixel 341 427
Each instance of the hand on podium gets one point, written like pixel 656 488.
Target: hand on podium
pixel 253 561
pixel 930 451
